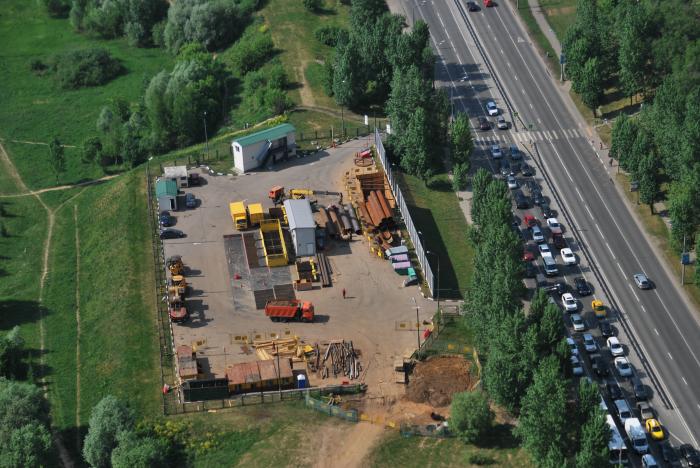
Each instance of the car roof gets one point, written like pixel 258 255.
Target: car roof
pixel 613 339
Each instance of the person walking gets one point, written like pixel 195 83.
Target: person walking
pixel 343 293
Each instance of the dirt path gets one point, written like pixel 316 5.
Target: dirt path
pixel 14 175
pixel 77 325
pixel 60 187
pixel 343 447
pixel 307 97
pixel 24 142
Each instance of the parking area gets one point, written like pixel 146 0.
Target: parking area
pixel 222 278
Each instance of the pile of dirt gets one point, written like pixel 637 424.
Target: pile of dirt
pixel 434 380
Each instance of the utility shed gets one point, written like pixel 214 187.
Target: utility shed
pixel 264 147
pixel 166 193
pixel 301 226
pixel 178 174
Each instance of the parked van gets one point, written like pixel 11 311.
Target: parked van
pixel 550 265
pixel 623 410
pixel 637 436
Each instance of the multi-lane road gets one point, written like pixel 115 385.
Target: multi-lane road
pixel 488 55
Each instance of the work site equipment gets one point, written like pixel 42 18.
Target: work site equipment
pixel 178 284
pixel 256 213
pixel 238 215
pixel 274 247
pixel 277 194
pixel 177 311
pixel 175 265
pixel 285 311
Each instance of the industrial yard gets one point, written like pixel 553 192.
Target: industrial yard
pixel 264 312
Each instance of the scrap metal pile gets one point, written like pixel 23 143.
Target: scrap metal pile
pixel 344 360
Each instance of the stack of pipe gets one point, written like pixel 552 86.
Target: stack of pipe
pixel 344 220
pixel 379 210
pixel 344 360
pixel 353 219
pixel 326 222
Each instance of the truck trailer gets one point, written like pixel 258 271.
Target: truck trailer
pixel 289 310
pixel 239 216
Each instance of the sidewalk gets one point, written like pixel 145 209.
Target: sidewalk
pixel 544 25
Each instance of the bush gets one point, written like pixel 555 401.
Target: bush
pixel 471 415
pixel 313 5
pixel 459 176
pixel 88 67
pixel 213 24
pixel 252 52
pixel 158 34
pixel 57 8
pixel 330 35
pixel 38 67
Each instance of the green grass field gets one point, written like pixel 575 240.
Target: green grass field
pixel 560 14
pixel 35 108
pixel 436 213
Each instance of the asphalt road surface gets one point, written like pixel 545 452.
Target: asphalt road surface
pixel 487 55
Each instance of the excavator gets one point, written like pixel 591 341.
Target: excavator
pixel 278 195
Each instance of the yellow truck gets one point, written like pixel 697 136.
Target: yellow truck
pixel 238 215
pixel 256 213
pixel 598 308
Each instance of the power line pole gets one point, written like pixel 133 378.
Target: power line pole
pixel 417 322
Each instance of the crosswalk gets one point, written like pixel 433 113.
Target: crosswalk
pixel 527 136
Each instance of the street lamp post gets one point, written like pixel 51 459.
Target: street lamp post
pixel 438 277
pixel 417 321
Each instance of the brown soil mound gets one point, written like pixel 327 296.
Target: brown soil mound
pixel 435 380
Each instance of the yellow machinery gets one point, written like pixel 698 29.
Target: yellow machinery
pixel 598 308
pixel 256 213
pixel 175 265
pixel 238 215
pixel 178 285
pixel 277 194
pixel 273 243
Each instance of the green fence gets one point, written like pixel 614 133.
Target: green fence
pixel 331 410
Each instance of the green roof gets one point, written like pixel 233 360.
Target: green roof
pixel 273 133
pixel 166 187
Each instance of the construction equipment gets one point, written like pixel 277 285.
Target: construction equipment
pixel 277 194
pixel 598 308
pixel 239 215
pixel 288 310
pixel 179 285
pixel 177 311
pixel 175 265
pixel 256 213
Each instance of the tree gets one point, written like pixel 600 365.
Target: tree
pixel 417 160
pixel 590 84
pixel 57 8
pixel 624 133
pixel 461 139
pixel 697 267
pixel 588 401
pixel 313 5
pixel 544 406
pixel 635 50
pixel 108 419
pixel 471 416
pixel 460 171
pixel 135 451
pixel 92 147
pixel 482 178
pixel 649 180
pixel 58 158
pixel 366 12
pixel 11 354
pixel 347 75
pixel 683 208
pixel 595 435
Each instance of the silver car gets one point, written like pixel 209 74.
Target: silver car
pixel 501 123
pixel 642 281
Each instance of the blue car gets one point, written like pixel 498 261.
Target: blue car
pixel 165 219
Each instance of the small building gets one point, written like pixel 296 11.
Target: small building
pixel 178 174
pixel 301 226
pixel 188 367
pixel 166 193
pixel 264 147
pixel 259 376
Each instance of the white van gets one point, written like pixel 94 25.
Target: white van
pixel 623 410
pixel 550 265
pixel 637 436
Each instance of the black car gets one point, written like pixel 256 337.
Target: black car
pixel 606 330
pixel 582 287
pixel 514 167
pixel 538 198
pixel 472 6
pixel 669 454
pixel 505 168
pixel 614 391
pixel 171 233
pixel 558 288
pixel 484 123
pixel 690 455
pixel 546 210
pixel 600 366
pixel 515 153
pixel 526 170
pixel 521 201
pixel 165 219
pixel 640 391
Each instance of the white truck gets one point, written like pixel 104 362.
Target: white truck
pixel 637 436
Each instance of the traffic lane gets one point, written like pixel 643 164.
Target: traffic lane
pixel 624 293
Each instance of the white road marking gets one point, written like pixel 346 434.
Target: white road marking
pixel 684 381
pixel 578 192
pixel 669 355
pixel 531 106
pixel 589 211
pixel 516 77
pixel 656 331
pixel 644 309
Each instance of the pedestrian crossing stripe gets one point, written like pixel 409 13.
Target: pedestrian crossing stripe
pixel 527 137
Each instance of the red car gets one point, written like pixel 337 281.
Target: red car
pixel 488 3
pixel 528 256
pixel 529 221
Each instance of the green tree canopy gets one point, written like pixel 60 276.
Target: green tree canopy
pixel 470 415
pixel 109 418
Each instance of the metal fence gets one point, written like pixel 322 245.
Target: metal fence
pixel 403 208
pixel 331 410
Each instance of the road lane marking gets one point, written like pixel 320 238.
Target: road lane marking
pixel 589 211
pixel 620 268
pixel 684 381
pixel 644 309
pixel 656 331
pixel 578 192
pixel 531 106
pixel 669 355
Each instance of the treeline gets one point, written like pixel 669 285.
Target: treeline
pixel 524 354
pixel 653 49
pixel 377 63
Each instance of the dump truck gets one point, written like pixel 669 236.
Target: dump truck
pixel 175 265
pixel 238 215
pixel 598 308
pixel 255 213
pixel 288 310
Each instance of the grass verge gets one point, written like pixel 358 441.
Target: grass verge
pixel 436 213
pixel 541 40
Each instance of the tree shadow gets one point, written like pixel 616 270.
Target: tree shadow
pixel 500 437
pixel 16 312
pixel 72 438
pixel 440 185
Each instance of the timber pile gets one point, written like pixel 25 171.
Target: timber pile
pixel 285 347
pixel 379 211
pixel 344 360
pixel 324 267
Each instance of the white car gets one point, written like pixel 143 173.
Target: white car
pixel 576 366
pixel 554 225
pixel 579 324
pixel 623 367
pixel 615 347
pixel 492 108
pixel 537 234
pixel 501 123
pixel 512 182
pixel 496 152
pixel 570 303
pixel 544 249
pixel 572 345
pixel 568 256
pixel 589 343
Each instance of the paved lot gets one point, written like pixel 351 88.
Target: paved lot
pixel 222 307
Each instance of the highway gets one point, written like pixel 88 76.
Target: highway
pixel 488 55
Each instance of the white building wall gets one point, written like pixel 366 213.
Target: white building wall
pixel 244 158
pixel 304 241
